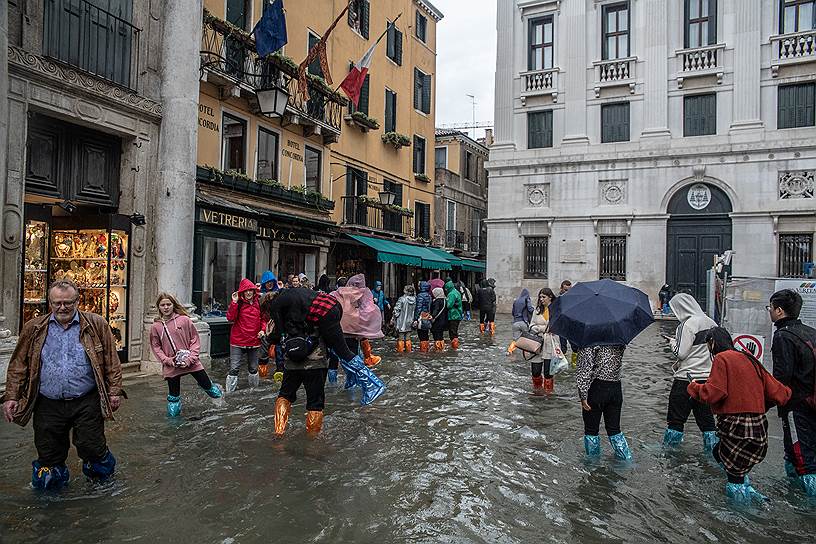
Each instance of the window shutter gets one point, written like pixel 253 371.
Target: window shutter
pixel 417 89
pixel 426 94
pixel 604 27
pixel 362 105
pixel 686 22
pixel 624 114
pixel 712 22
pixel 398 47
pixel 390 39
pixel 530 35
pixel 350 185
pixel 364 16
pixel 388 111
pixel 426 220
pixel 396 188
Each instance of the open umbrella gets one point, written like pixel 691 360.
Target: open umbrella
pixel 600 313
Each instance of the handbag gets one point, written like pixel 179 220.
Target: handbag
pixel 558 362
pixel 179 355
pixel 530 342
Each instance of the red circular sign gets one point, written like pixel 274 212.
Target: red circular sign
pixel 749 343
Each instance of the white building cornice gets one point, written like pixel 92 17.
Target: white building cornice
pixel 430 9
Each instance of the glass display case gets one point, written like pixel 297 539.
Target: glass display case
pixel 35 270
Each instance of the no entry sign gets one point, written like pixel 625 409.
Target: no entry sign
pixel 751 343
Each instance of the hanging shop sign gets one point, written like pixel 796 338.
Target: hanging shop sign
pixel 222 219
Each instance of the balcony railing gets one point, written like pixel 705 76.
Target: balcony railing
pixel 94 40
pixel 615 72
pixel 369 216
pixel 455 239
pixel 793 48
pixel 701 61
pixel 541 82
pixel 230 55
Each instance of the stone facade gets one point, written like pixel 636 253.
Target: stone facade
pixel 646 190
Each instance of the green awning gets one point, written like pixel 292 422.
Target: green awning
pixel 472 265
pixel 442 255
pixel 389 251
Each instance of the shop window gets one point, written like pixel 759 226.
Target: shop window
pixel 233 143
pixel 422 220
pixel 700 115
pixel 267 167
pixel 615 31
pixel 615 122
pixel 540 44
pixel 796 105
pixel 393 46
pixel 701 23
pixel 539 129
pixel 223 268
pixel 314 158
pixel 794 251
pixel 613 258
pixel 421 27
pixel 390 111
pixel 422 91
pixel 358 16
pixel 419 155
pixel 797 16
pixel 441 157
pixel 536 257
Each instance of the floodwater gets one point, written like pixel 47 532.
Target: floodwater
pixel 457 451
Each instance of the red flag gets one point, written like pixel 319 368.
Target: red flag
pixel 356 77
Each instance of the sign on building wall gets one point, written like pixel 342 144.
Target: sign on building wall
pixel 807 290
pixel 752 343
pixel 206 118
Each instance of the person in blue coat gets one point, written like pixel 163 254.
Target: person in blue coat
pixel 269 283
pixel 379 297
pixel 423 306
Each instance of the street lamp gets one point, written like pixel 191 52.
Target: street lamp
pixel 387 198
pixel 273 100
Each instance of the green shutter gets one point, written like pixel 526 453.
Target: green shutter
pixel 426 94
pixel 795 106
pixel 390 45
pixel 362 105
pixel 417 89
pixel 398 47
pixel 364 17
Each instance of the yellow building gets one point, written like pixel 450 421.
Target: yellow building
pixel 286 192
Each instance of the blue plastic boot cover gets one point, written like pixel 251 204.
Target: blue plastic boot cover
pixel 743 493
pixel 373 387
pixel 710 440
pixel 332 375
pixel 173 406
pixel 352 368
pixel 102 469
pixel 49 477
pixel 620 446
pixel 592 445
pixel 214 391
pixel 809 484
pixel 790 470
pixel 672 438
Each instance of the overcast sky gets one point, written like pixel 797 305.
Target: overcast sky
pixel 466 60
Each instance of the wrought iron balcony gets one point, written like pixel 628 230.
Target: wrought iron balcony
pixel 540 82
pixel 615 73
pixel 229 60
pixel 375 217
pixel 701 61
pixel 455 239
pixel 92 39
pixel 792 48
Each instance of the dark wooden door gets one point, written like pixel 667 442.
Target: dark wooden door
pixel 691 247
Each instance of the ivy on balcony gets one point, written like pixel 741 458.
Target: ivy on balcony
pixel 363 121
pixel 396 139
pixel 375 203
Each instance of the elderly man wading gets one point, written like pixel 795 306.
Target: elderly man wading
pixel 66 373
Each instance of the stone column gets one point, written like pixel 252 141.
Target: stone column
pixel 574 28
pixel 7 341
pixel 656 53
pixel 747 65
pixel 503 115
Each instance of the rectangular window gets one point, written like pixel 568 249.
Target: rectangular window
pixel 314 159
pixel 355 212
pixel 615 31
pixel 794 251
pixel 470 167
pixel 700 23
pixel 475 231
pixel 422 91
pixel 540 44
pixel 314 67
pixel 700 115
pixel 362 102
pixel 796 105
pixel 441 157
pixel 539 129
pixel 421 27
pixel 797 15
pixel 419 155
pixel 239 13
pixel 267 167
pixel 536 257
pixel 615 122
pixel 233 143
pixel 358 15
pixel 450 223
pixel 393 45
pixel 613 258
pixel 392 221
pixel 390 111
pixel 422 220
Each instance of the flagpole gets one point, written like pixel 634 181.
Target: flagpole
pixel 392 23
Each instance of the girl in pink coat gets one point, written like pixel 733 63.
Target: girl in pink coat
pixel 175 343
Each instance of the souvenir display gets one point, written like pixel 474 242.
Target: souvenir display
pixel 35 271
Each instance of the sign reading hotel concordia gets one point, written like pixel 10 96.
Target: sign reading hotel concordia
pixel 228 220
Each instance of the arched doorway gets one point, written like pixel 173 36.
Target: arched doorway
pixel 699 229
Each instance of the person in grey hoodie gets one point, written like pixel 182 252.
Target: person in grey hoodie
pixel 693 360
pixel 403 318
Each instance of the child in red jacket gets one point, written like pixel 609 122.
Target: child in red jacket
pixel 244 313
pixel 739 391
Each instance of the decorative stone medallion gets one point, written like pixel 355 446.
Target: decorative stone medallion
pixel 613 192
pixel 799 184
pixel 699 196
pixel 539 195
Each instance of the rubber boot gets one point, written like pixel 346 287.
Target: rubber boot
pixel 790 470
pixel 439 345
pixel 332 375
pixel 620 446
pixel 549 385
pixel 282 410
pixel 592 445
pixel 538 385
pixel 710 440
pixel 424 345
pixel 214 391
pixel 511 348
pixel 51 478
pixel 102 469
pixel 492 328
pixel 808 482
pixel 400 346
pixel 254 380
pixel 673 438
pixel 481 328
pixel 232 383
pixel 455 343
pixel 743 493
pixel 408 346
pixel 314 422
pixel 370 360
pixel 173 406
pixel 263 370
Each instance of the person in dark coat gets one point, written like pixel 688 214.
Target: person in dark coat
pixel 485 301
pixel 439 315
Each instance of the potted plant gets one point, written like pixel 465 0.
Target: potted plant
pixel 363 121
pixel 396 139
pixel 422 177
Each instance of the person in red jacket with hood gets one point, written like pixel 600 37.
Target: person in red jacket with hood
pixel 244 313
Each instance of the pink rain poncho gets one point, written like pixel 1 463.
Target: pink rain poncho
pixel 437 282
pixel 361 316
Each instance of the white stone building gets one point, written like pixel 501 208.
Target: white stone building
pixel 636 139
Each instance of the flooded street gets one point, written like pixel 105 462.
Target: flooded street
pixel 456 451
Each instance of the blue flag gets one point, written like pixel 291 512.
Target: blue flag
pixel 270 32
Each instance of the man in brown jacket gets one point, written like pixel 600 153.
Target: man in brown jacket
pixel 66 373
